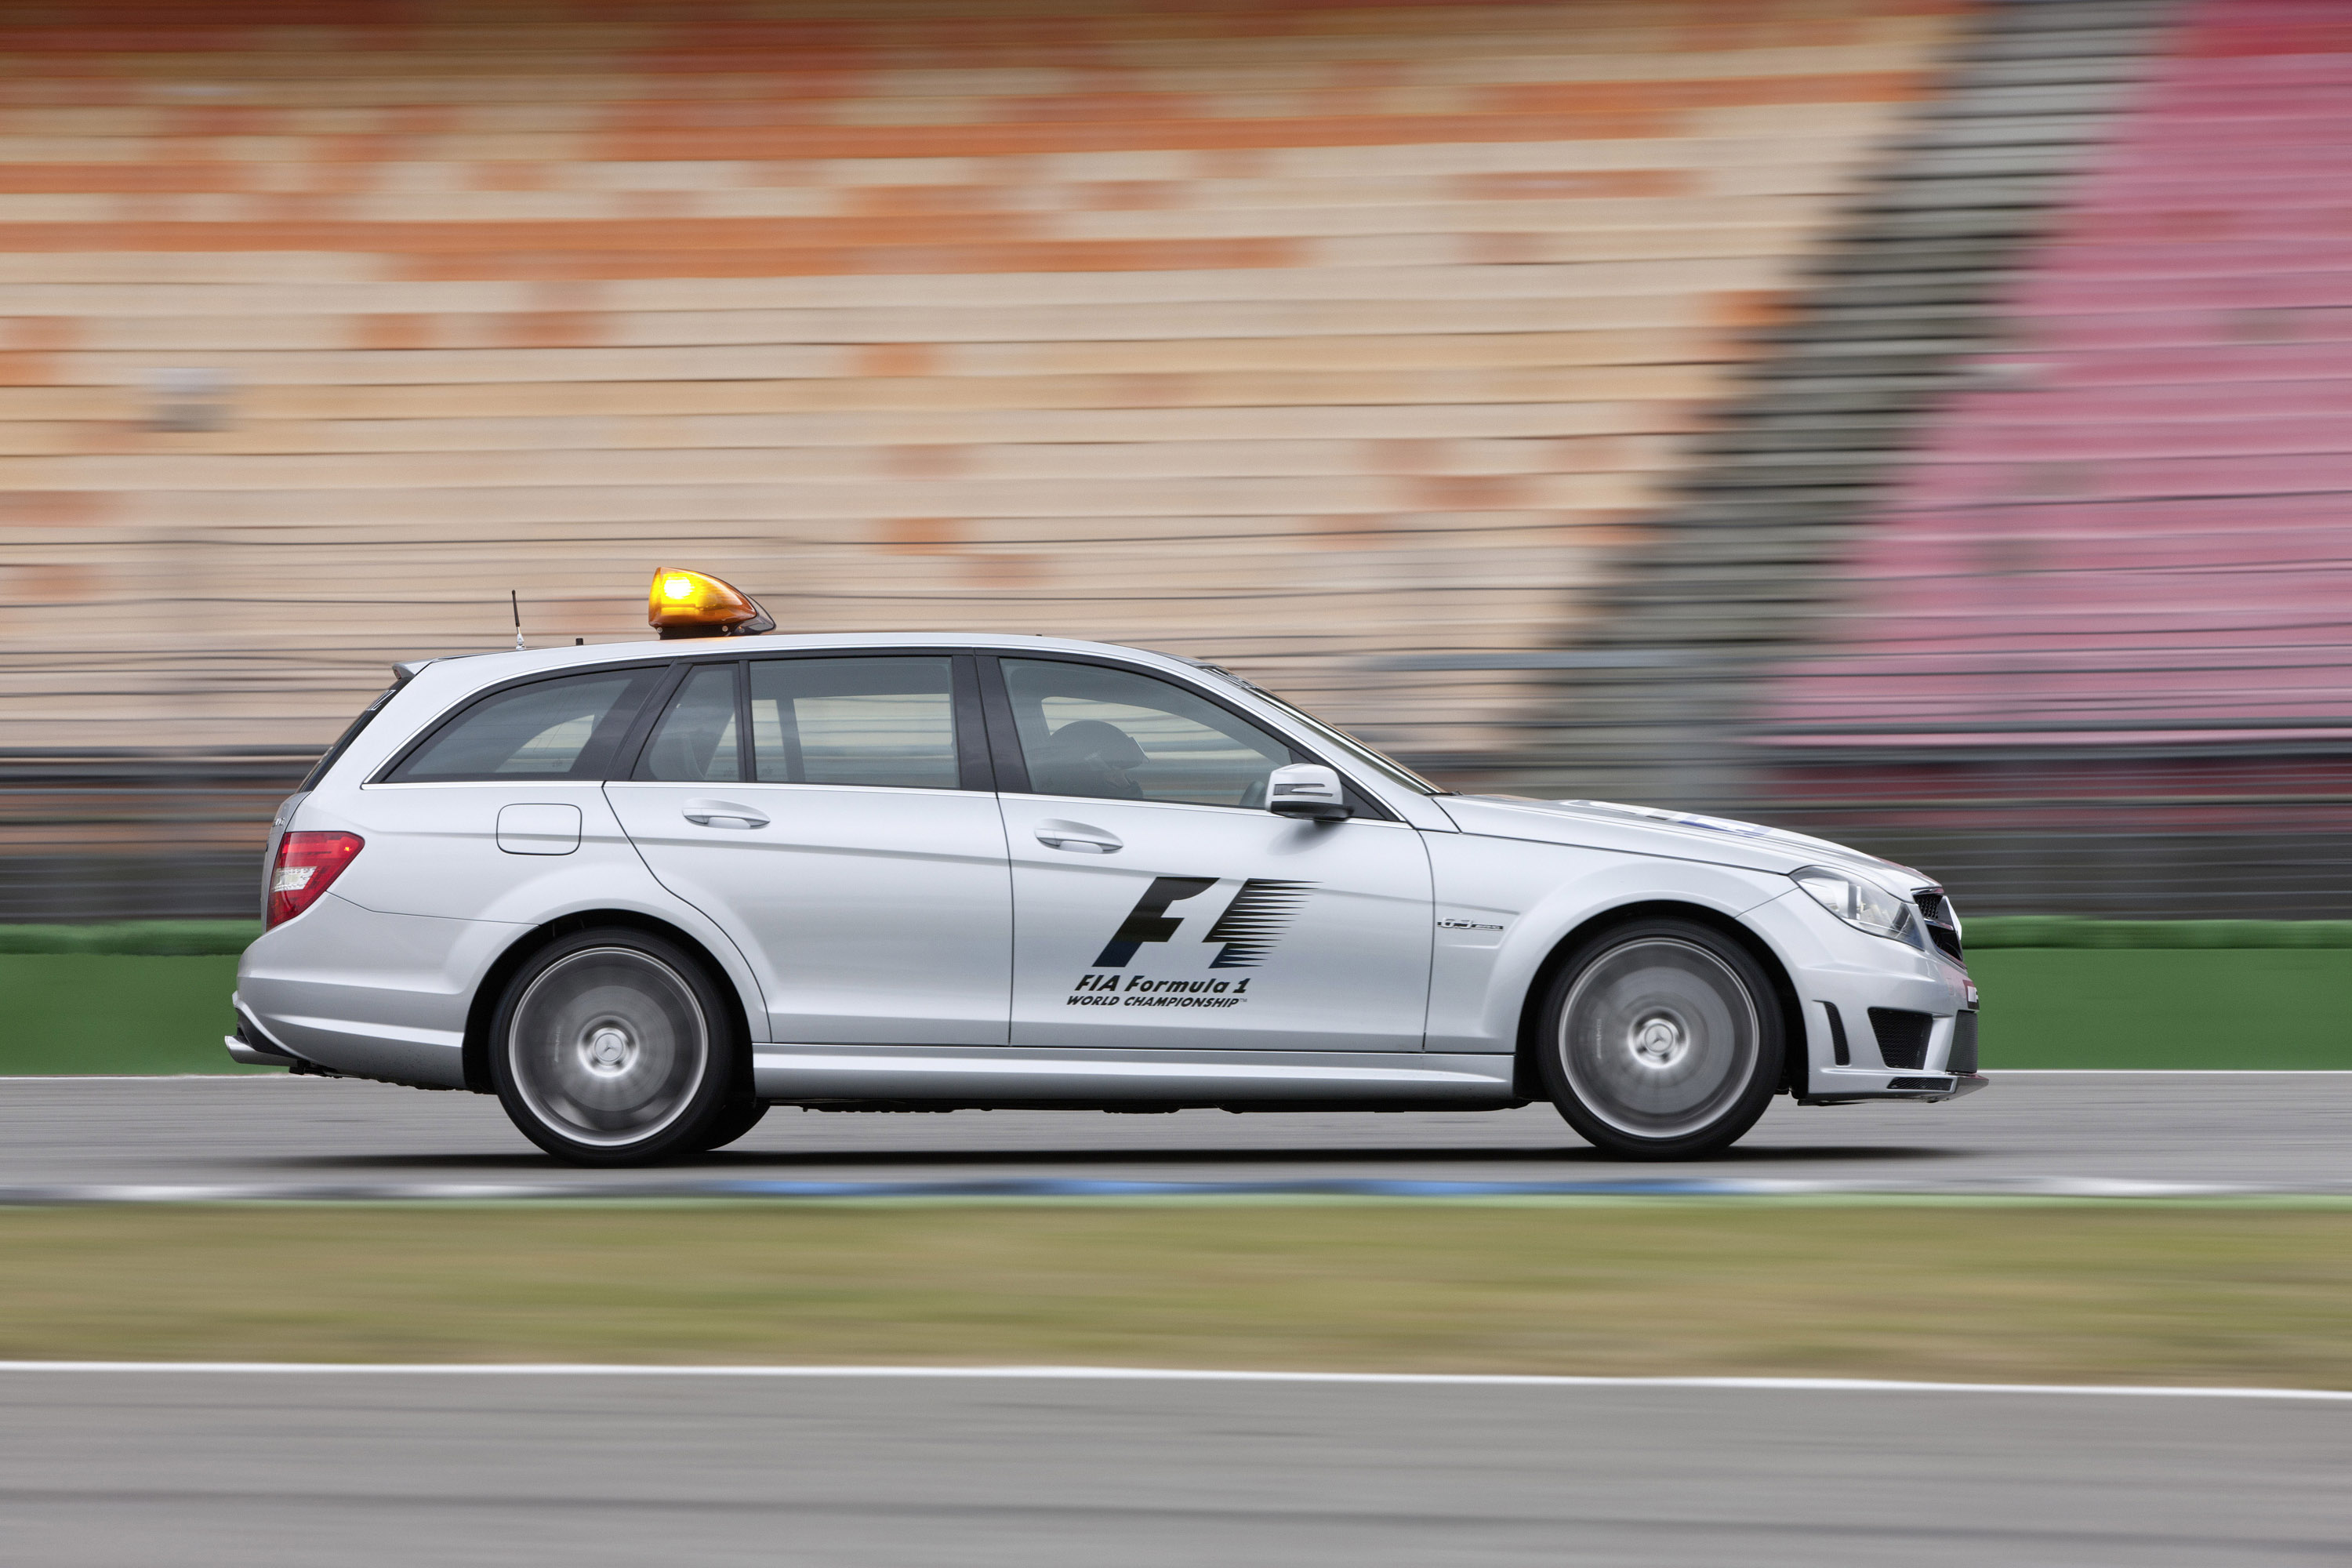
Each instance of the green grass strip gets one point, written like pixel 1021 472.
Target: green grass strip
pixel 2118 1293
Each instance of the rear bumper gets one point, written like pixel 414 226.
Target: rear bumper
pixel 239 1051
pixel 366 994
pixel 252 1046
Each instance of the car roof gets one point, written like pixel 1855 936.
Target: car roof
pixel 507 664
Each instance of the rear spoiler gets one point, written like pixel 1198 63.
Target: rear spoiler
pixel 409 669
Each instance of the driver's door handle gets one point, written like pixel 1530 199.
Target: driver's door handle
pixel 721 814
pixel 1078 839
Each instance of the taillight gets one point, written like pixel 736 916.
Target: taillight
pixel 308 864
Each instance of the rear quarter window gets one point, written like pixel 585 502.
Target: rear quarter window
pixel 334 754
pixel 566 727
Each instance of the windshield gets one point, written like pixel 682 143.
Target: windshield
pixel 1387 767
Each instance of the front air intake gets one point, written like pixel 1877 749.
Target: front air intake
pixel 1901 1036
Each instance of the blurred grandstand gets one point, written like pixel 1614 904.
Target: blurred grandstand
pixel 2087 635
pixel 1907 419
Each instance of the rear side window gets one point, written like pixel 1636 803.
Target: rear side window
pixel 881 721
pixel 566 728
pixel 696 742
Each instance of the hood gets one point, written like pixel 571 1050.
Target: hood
pixel 1647 830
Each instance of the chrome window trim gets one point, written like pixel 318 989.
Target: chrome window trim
pixel 1189 805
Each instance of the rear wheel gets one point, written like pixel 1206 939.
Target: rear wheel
pixel 1661 1039
pixel 616 1047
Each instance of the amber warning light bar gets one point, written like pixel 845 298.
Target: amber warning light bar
pixel 693 605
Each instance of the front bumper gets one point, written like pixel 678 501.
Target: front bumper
pixel 1875 1083
pixel 1840 975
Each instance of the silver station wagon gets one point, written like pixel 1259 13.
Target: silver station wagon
pixel 643 891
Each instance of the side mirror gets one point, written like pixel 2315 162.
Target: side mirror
pixel 1307 790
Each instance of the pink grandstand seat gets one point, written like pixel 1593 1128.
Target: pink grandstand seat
pixel 2136 526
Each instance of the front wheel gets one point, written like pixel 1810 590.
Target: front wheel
pixel 1660 1040
pixel 616 1047
pixel 742 1114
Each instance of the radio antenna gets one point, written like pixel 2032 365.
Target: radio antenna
pixel 514 602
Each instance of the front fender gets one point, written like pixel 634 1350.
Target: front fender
pixel 1503 906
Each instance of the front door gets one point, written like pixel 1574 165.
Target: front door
pixel 831 812
pixel 1158 903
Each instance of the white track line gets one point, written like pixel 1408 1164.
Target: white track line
pixel 1168 1374
pixel 160 1078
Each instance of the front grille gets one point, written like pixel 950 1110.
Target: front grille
pixel 1901 1036
pixel 1936 914
pixel 1964 1044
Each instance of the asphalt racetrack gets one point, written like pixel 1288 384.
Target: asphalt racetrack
pixel 256 1469
pixel 230 1470
pixel 2282 1130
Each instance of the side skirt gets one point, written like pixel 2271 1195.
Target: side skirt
pixel 921 1078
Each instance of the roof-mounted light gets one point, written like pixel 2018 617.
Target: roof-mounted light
pixel 685 604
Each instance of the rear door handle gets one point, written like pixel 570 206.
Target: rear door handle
pixel 1078 839
pixel 722 813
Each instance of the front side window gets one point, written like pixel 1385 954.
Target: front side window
pixel 1088 730
pixel 1381 763
pixel 887 720
pixel 561 729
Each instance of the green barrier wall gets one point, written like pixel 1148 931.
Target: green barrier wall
pixel 2085 1006
pixel 92 1013
pixel 2227 1008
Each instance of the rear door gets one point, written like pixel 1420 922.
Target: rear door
pixel 1158 903
pixel 832 812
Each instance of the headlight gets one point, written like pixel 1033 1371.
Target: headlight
pixel 1864 905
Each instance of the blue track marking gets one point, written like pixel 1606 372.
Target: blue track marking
pixel 1048 1188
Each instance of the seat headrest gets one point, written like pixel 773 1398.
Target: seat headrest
pixel 1095 740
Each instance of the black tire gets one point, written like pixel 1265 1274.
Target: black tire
pixel 1661 1039
pixel 742 1114
pixel 618 1047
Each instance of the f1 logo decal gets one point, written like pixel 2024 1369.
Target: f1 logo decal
pixel 1149 921
pixel 1245 933
pixel 1255 920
